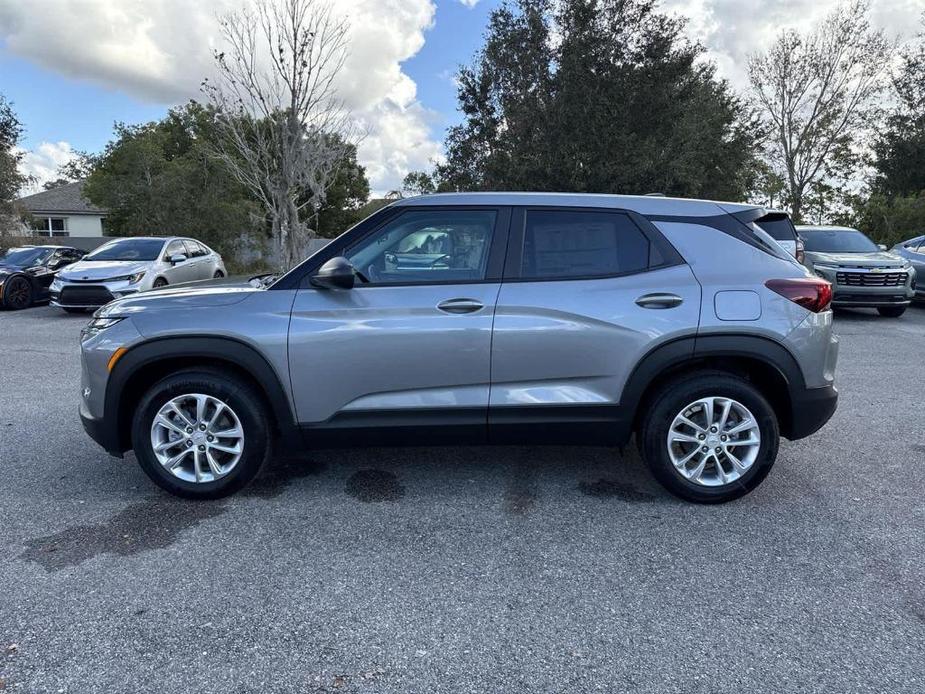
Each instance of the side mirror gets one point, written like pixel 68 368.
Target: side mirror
pixel 178 258
pixel 881 246
pixel 337 273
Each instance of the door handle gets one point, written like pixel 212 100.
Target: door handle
pixel 659 300
pixel 460 306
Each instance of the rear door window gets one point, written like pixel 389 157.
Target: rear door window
pixel 566 244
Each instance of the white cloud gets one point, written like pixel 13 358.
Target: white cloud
pixel 161 51
pixel 732 29
pixel 469 3
pixel 42 163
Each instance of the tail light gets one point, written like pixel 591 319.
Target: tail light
pixel 801 248
pixel 811 293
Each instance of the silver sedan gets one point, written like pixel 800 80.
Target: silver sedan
pixel 130 265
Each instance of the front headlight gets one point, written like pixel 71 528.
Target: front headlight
pixel 98 325
pixel 131 279
pixel 824 270
pixel 56 284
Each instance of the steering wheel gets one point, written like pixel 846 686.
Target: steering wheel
pixel 445 259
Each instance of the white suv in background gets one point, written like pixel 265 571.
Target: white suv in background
pixel 131 265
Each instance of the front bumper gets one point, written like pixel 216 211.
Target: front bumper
pixel 88 295
pixel 97 429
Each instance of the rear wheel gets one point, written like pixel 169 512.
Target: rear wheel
pixel 709 438
pixel 891 311
pixel 17 294
pixel 74 310
pixel 201 434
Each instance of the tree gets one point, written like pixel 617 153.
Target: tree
pixel 344 198
pixel 595 96
pixel 418 183
pixel 819 92
pixel 899 152
pixel 161 178
pixel 284 130
pixel 11 179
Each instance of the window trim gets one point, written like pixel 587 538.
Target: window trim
pixel 513 267
pixel 493 269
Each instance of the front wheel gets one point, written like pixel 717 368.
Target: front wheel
pixel 218 274
pixel 891 311
pixel 201 433
pixel 159 283
pixel 709 438
pixel 17 294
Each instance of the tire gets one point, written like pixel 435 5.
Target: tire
pixel 159 283
pixel 671 400
pixel 74 310
pixel 218 274
pixel 246 405
pixel 891 311
pixel 17 294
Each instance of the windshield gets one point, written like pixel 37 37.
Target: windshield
pixel 128 249
pixel 25 257
pixel 825 241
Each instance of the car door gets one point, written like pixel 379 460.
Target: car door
pixel 199 262
pixel 586 294
pixel 410 344
pixel 177 272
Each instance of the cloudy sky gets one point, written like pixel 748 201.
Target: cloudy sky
pixel 74 67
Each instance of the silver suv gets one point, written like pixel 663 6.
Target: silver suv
pixel 481 318
pixel 863 275
pixel 123 267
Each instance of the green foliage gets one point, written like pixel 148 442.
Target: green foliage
pixel 344 198
pixel 164 178
pixel 160 178
pixel 418 183
pixel 11 180
pixel 888 220
pixel 596 96
pixel 899 152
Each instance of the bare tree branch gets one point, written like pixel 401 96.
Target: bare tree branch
pixel 819 95
pixel 285 129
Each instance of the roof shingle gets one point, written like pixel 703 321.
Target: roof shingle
pixel 67 198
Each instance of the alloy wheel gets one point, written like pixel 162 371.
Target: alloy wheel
pixel 713 441
pixel 17 293
pixel 197 438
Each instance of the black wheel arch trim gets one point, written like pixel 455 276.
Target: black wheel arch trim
pixel 803 401
pixel 225 348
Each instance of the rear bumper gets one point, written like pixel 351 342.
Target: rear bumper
pixel 811 408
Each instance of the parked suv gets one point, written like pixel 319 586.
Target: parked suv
pixel 863 275
pixel 130 265
pixel 481 318
pixel 913 250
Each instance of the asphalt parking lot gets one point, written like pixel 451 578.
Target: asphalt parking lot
pixel 465 569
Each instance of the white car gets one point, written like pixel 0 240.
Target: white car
pixel 131 265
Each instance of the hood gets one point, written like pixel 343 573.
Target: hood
pixel 191 295
pixel 103 269
pixel 872 259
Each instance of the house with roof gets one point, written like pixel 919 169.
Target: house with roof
pixel 63 211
